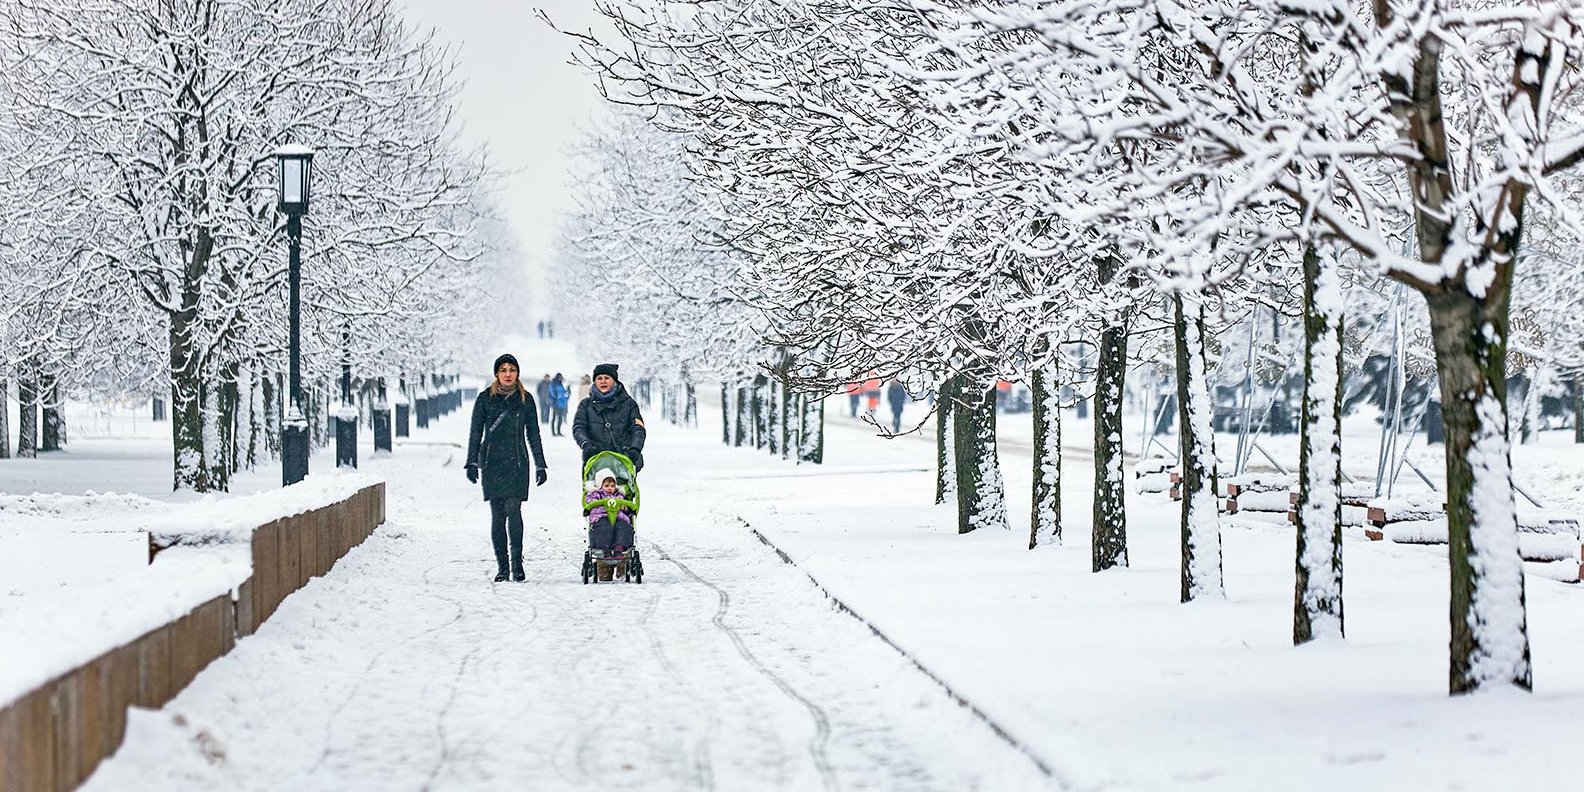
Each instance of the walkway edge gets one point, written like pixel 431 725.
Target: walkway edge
pixel 962 701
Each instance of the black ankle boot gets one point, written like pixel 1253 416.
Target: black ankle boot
pixel 500 577
pixel 519 575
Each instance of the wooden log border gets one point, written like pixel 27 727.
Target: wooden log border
pixel 53 737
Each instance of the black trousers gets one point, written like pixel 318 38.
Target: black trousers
pixel 557 419
pixel 506 522
pixel 603 535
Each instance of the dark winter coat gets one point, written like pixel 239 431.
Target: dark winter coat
pixel 495 443
pixel 610 422
pixel 897 395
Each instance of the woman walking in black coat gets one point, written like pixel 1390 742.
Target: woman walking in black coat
pixel 503 415
pixel 609 420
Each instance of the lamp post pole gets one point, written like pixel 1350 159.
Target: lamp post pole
pixel 294 174
pixel 294 434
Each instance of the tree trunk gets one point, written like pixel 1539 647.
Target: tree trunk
pixel 812 446
pixel 726 415
pixel 1578 409
pixel 981 495
pixel 1317 595
pixel 186 382
pixel 1201 521
pixel 790 413
pixel 761 411
pixel 215 419
pixel 28 420
pixel 1109 548
pixel 744 417
pixel 53 422
pixel 945 455
pixel 1490 639
pixel 5 418
pixel 772 417
pixel 273 411
pixel 1045 519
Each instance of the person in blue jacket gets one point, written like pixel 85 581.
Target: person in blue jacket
pixel 558 404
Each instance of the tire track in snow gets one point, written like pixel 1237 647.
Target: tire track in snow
pixel 357 687
pixel 822 728
pixel 701 754
pixel 513 610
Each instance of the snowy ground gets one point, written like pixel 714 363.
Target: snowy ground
pixel 406 668
pixel 728 669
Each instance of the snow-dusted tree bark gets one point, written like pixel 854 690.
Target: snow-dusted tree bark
pixel 760 411
pixel 1578 408
pixel 1490 641
pixel 1201 522
pixel 772 416
pixel 28 420
pixel 744 416
pixel 789 415
pixel 1045 519
pixel 1109 547
pixel 945 452
pixel 726 414
pixel 981 495
pixel 811 447
pixel 1317 596
pixel 5 418
pixel 53 425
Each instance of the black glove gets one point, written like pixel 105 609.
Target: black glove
pixel 472 474
pixel 541 476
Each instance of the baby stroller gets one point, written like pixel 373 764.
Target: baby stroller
pixel 602 561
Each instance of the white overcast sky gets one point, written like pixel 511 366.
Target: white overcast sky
pixel 521 99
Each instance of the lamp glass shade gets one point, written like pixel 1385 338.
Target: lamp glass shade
pixel 293 180
pixel 295 177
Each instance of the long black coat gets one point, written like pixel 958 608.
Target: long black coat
pixel 495 443
pixel 612 423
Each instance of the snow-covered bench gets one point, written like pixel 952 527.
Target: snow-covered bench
pixel 1153 475
pixel 1355 504
pixel 1258 492
pixel 1549 541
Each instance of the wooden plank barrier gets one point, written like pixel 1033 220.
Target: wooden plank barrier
pixel 53 737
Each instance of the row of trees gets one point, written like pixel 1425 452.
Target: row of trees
pixel 141 247
pixel 957 190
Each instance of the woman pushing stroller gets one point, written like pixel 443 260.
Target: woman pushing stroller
pixel 609 420
pixel 505 414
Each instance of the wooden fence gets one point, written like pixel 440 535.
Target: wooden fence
pixel 53 737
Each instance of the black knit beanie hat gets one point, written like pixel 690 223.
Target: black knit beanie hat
pixel 607 368
pixel 504 359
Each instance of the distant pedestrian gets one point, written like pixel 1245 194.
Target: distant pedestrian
pixel 897 395
pixel 855 393
pixel 541 329
pixel 503 417
pixel 542 390
pixel 584 386
pixel 871 389
pixel 550 329
pixel 558 404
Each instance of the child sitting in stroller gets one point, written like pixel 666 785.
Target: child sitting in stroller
pixel 612 537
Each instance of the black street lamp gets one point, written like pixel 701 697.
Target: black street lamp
pixel 294 177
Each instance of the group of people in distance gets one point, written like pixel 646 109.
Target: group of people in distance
pixel 505 431
pixel 553 396
pixel 868 391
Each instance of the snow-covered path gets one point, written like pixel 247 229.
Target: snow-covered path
pixel 406 668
